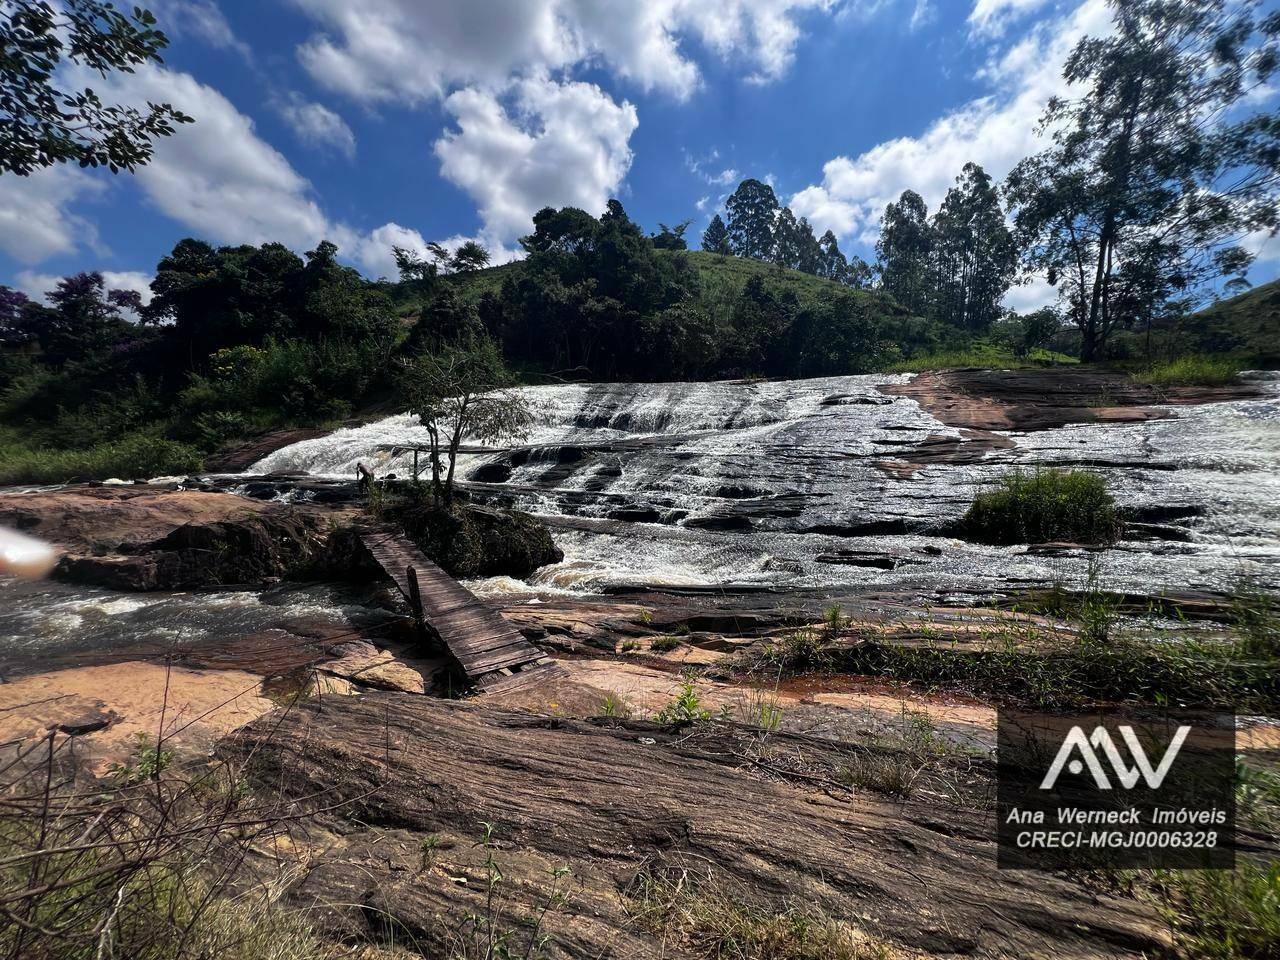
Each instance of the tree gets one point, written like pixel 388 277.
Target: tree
pixel 715 239
pixel 463 390
pixel 752 210
pixel 859 274
pixel 671 238
pixel 13 310
pixel 903 250
pixel 1155 171
pixel 809 259
pixel 831 262
pixel 84 319
pixel 787 240
pixel 43 121
pixel 469 256
pixel 974 256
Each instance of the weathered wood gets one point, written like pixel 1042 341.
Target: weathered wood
pixel 490 651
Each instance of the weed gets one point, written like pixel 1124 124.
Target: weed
pixel 1256 621
pixel 1096 611
pixel 708 921
pixel 664 644
pixel 147 764
pixel 893 772
pixel 759 707
pixel 685 707
pixel 629 646
pixel 1225 914
pixel 614 706
pixel 832 618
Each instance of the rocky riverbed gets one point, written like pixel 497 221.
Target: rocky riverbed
pixel 694 525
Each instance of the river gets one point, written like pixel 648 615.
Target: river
pixel 800 485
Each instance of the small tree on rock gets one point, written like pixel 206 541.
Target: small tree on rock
pixel 463 391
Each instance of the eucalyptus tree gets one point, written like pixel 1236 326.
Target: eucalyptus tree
pixel 788 240
pixel 752 210
pixel 1157 168
pixel 831 262
pixel 973 253
pixel 903 252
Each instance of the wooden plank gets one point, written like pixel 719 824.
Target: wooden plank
pixel 488 649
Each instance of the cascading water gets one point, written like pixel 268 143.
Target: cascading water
pixel 801 484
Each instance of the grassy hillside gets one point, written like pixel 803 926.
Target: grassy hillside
pixel 722 278
pixel 1248 324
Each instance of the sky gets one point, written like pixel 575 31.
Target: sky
pixel 396 122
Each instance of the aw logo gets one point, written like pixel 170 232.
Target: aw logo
pixel 1100 741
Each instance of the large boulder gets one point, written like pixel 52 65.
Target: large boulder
pixel 243 551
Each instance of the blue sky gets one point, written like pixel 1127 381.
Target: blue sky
pixel 402 121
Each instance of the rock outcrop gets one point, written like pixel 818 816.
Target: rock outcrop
pixel 407 783
pixel 245 551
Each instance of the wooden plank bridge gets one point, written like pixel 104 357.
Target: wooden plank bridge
pixel 489 650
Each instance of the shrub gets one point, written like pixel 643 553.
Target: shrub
pixel 1191 371
pixel 1044 506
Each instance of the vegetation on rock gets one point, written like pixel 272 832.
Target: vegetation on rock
pixel 1044 506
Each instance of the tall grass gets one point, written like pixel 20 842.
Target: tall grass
pixel 1191 371
pixel 138 456
pixel 980 354
pixel 1044 506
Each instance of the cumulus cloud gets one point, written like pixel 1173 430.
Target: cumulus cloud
pixel 317 125
pixel 539 143
pixel 217 176
pixel 421 49
pixel 35 218
pixel 995 131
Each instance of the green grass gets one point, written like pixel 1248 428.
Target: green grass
pixel 1191 371
pixel 138 456
pixel 1044 506
pixel 664 644
pixel 981 354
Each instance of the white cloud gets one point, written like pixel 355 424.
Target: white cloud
pixel 199 18
pixel 317 125
pixel 217 176
pixel 992 17
pixel 995 131
pixel 923 15
pixel 415 50
pixel 542 143
pixel 35 220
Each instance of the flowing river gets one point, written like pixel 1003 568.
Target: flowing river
pixel 814 485
pixel 807 484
